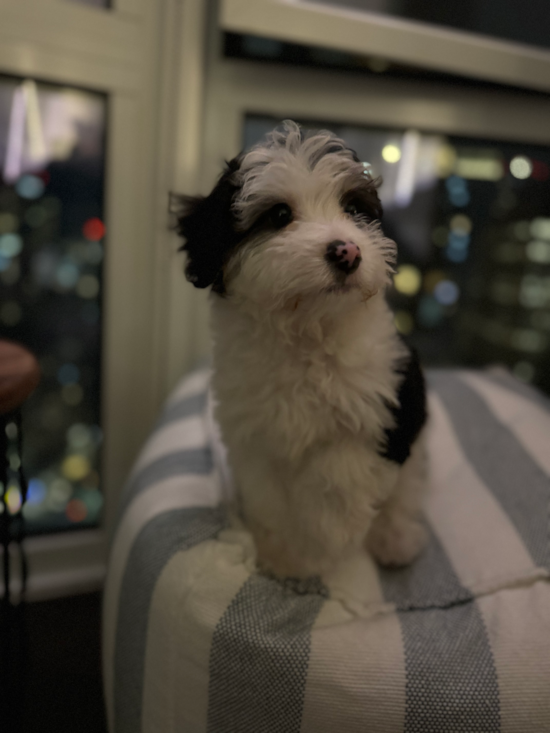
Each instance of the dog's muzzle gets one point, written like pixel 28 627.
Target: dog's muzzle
pixel 344 256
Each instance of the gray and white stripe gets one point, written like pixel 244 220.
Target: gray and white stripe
pixel 460 641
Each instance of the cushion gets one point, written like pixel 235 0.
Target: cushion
pixel 195 640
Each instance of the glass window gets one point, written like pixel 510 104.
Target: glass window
pixel 505 19
pixel 52 158
pixel 471 219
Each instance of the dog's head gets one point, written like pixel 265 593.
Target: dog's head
pixel 298 216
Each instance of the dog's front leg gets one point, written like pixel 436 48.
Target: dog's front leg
pixel 397 534
pixel 308 516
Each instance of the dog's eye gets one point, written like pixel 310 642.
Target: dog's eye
pixel 280 215
pixel 351 208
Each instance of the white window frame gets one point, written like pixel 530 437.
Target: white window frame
pixel 131 52
pixel 405 41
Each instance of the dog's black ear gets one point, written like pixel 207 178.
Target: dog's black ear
pixel 207 225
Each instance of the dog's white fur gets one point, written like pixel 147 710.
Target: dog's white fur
pixel 304 367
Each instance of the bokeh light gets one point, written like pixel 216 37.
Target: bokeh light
pixel 94 229
pixel 30 187
pixel 521 167
pixel 540 228
pixel 461 224
pixel 538 251
pixel 59 493
pixel 10 245
pixel 36 491
pixel 79 436
pixel 67 274
pixel 457 246
pixel 403 322
pixel 457 189
pixel 13 499
pixel 407 279
pixel 391 153
pixel 446 292
pixel 75 467
pixel 76 511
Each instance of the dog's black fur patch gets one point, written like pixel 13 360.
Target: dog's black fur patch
pixel 207 224
pixel 411 413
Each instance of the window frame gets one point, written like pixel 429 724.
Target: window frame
pixel 122 51
pixel 405 41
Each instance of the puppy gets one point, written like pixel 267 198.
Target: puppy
pixel 320 402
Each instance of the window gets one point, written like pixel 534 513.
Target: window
pixel 52 159
pixel 340 26
pixel 505 19
pixel 122 303
pixel 472 221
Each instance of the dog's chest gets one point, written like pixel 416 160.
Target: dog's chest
pixel 292 401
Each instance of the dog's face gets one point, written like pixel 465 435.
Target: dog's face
pixel 295 217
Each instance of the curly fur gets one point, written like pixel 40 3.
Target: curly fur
pixel 318 403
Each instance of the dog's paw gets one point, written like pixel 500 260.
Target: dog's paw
pixel 395 540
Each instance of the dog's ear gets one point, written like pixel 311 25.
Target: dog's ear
pixel 207 225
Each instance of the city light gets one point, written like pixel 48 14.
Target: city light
pixel 10 245
pixel 403 322
pixel 540 228
pixel 538 251
pixel 407 279
pixel 521 167
pixel 446 292
pixel 461 223
pixel 457 189
pixel 93 229
pixel 30 187
pixel 479 169
pixel 75 467
pixel 391 153
pixel 13 499
pixel 76 511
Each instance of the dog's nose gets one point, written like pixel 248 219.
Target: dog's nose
pixel 345 256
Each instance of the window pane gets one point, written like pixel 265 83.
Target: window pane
pixel 471 219
pixel 52 152
pixel 505 19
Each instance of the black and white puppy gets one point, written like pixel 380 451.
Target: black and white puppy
pixel 320 403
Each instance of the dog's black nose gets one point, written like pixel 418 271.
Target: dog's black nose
pixel 345 256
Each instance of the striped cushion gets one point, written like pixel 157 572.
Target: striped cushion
pixel 195 640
